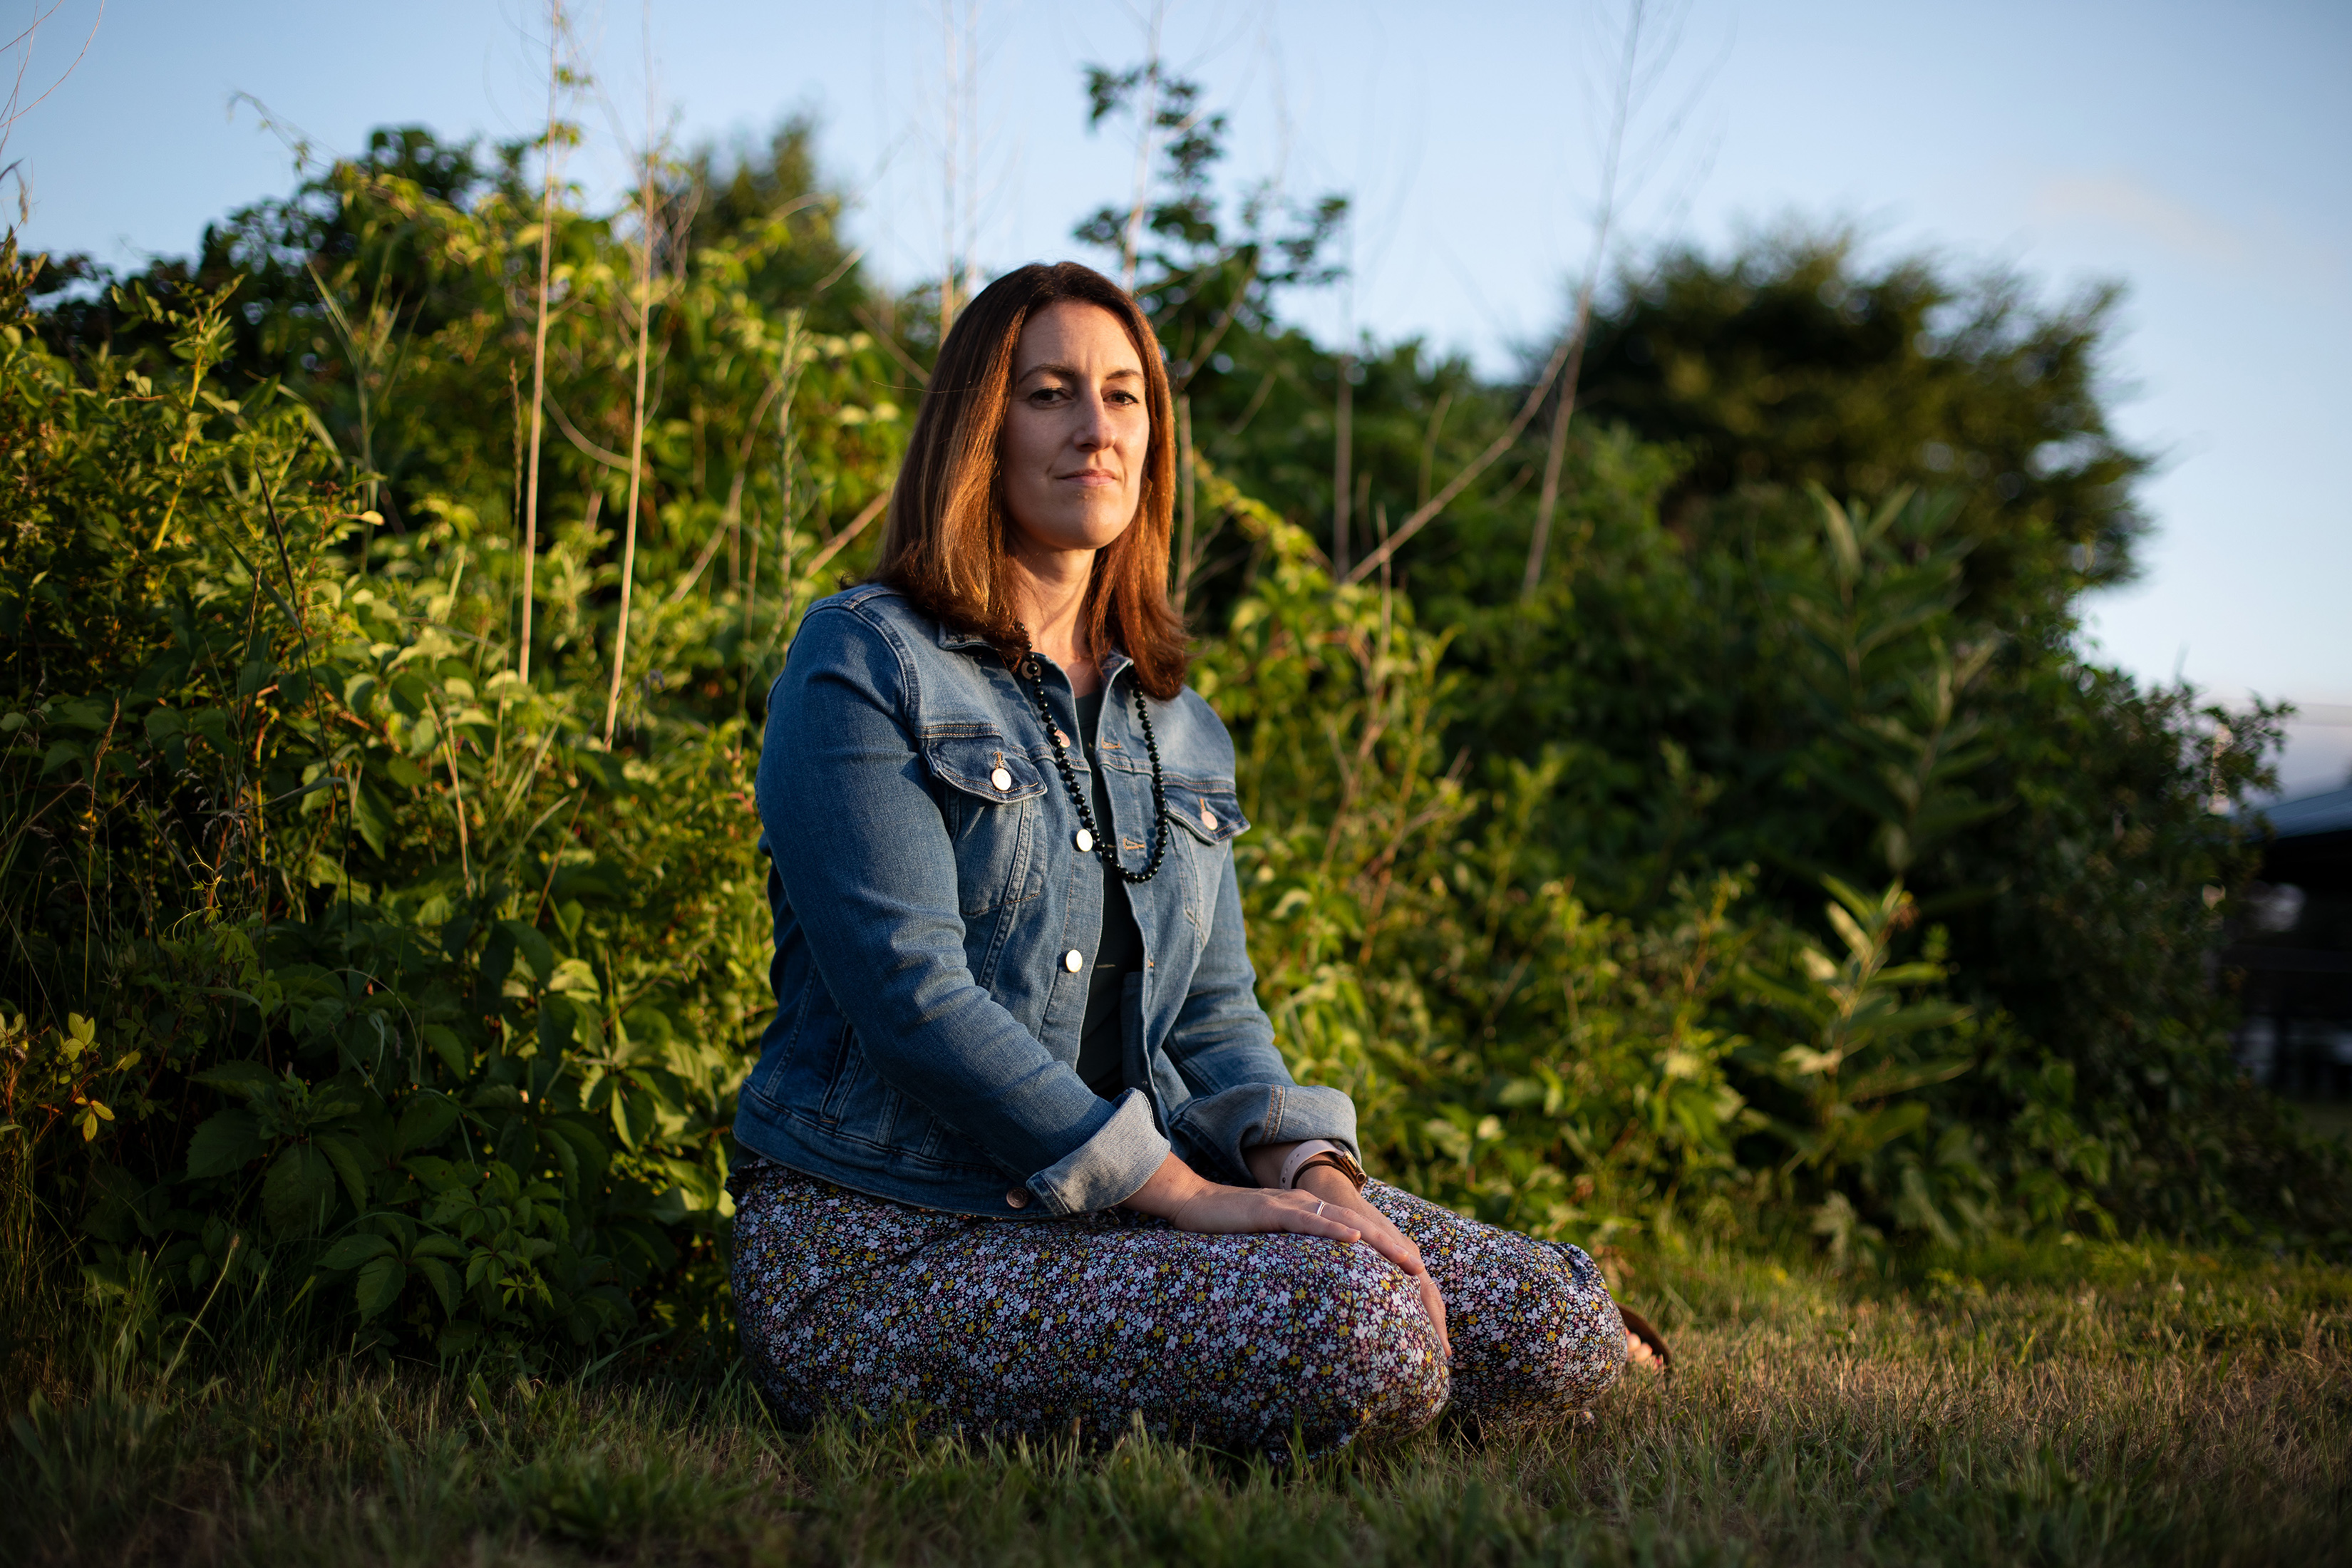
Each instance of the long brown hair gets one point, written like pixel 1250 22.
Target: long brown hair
pixel 947 544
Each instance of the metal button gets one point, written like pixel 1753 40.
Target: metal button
pixel 1084 841
pixel 1018 1198
pixel 1002 779
pixel 1074 961
pixel 1208 817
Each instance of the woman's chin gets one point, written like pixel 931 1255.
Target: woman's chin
pixel 1074 529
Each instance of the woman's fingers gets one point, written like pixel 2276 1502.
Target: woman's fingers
pixel 1316 1217
pixel 1399 1249
pixel 1242 1211
pixel 1383 1236
pixel 1435 1304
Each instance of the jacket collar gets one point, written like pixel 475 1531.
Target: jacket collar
pixel 962 642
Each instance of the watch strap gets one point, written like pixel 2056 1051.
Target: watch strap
pixel 1337 1159
pixel 1295 1160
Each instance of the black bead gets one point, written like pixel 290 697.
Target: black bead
pixel 1104 851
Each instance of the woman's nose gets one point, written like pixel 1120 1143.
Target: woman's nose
pixel 1094 430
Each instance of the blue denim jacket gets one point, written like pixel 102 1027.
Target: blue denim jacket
pixel 934 933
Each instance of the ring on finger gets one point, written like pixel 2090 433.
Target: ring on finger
pixel 1319 1208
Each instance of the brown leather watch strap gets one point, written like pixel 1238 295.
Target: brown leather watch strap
pixel 1338 1161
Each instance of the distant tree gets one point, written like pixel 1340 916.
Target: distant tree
pixel 1793 360
pixel 731 193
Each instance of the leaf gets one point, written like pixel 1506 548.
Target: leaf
pixel 379 1285
pixel 372 814
pixel 249 1079
pixel 426 1120
pixel 633 1117
pixel 398 1228
pixel 344 1153
pixel 533 943
pixel 1862 906
pixel 444 1281
pixel 585 1138
pixel 1896 1079
pixel 353 1251
pixel 225 1143
pixel 1853 934
pixel 556 1014
pixel 567 1159
pixel 448 1047
pixel 432 1246
pixel 298 1190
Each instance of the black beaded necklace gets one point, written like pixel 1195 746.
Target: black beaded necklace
pixel 1089 837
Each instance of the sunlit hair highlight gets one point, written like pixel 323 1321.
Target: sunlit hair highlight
pixel 947 546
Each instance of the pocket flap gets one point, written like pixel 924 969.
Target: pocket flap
pixel 1211 812
pixel 973 762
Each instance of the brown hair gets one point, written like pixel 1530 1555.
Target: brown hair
pixel 946 545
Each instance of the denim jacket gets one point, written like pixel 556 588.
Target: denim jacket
pixel 936 924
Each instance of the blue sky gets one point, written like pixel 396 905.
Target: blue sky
pixel 2202 155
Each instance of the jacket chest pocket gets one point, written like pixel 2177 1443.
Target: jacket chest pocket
pixel 991 796
pixel 1208 816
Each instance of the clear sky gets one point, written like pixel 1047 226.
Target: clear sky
pixel 2202 155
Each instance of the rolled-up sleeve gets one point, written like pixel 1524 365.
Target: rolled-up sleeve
pixel 863 851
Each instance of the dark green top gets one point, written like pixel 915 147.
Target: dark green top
pixel 1102 1050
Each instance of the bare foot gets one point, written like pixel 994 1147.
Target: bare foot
pixel 1639 1353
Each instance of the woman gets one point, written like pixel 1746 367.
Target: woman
pixel 1019 1154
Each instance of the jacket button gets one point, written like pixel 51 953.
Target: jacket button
pixel 1084 840
pixel 1074 961
pixel 1002 779
pixel 1018 1198
pixel 1208 819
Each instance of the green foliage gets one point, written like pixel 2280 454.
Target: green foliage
pixel 346 959
pixel 352 985
pixel 1793 363
pixel 1511 1051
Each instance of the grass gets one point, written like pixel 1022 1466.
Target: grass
pixel 2117 1404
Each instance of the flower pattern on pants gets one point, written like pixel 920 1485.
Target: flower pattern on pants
pixel 1081 1324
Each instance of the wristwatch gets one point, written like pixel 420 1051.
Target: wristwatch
pixel 1322 1151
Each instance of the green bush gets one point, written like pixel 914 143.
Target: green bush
pixel 352 962
pixel 1761 875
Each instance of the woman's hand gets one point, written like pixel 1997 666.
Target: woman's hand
pixel 1190 1200
pixel 1339 1196
pixel 1324 1204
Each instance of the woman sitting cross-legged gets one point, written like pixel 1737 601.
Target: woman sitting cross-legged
pixel 1020 1156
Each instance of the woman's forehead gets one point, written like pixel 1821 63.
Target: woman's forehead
pixel 1069 335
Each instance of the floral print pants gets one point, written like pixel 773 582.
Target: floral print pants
pixel 1078 1326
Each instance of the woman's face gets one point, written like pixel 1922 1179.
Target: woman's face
pixel 1077 431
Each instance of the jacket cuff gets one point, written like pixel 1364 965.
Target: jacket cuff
pixel 1107 1168
pixel 1232 1123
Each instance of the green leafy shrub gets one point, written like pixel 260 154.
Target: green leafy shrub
pixel 352 962
pixel 356 984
